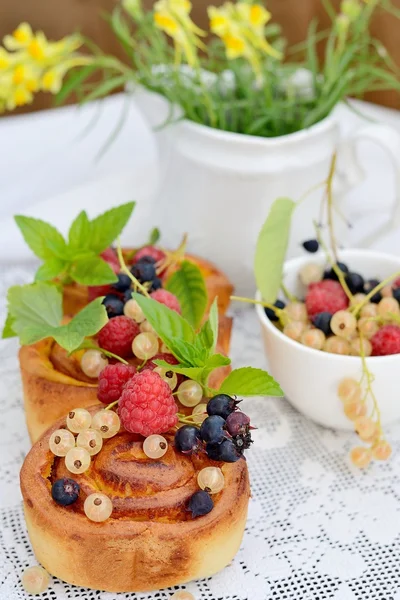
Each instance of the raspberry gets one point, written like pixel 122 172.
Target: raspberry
pixel 147 405
pixel 99 290
pixel 112 381
pixel 165 297
pixel 325 296
pixel 151 251
pixel 386 341
pixel 396 284
pixel 169 358
pixel 111 258
pixel 117 336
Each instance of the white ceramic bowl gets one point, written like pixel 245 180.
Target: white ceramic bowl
pixel 310 378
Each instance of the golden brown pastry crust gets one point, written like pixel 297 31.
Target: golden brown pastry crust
pixel 150 541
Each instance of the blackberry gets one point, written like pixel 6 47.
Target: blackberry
pixel 123 283
pixel 200 504
pixel 311 246
pixel 369 286
pixel 114 306
pixel 355 283
pixel 65 491
pixel 322 321
pixel 221 405
pixel 271 314
pixel 212 429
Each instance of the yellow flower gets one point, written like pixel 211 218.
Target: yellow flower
pixel 20 38
pixel 19 97
pixel 166 23
pixel 219 20
pixel 235 46
pixel 254 15
pixel 38 46
pixel 5 59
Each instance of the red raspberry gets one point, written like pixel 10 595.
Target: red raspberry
pixel 325 296
pixel 396 284
pixel 151 251
pixel 147 405
pixel 110 256
pixel 117 336
pixel 112 381
pixel 99 290
pixel 169 358
pixel 165 297
pixel 386 341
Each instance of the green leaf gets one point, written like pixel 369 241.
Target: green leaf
pixel 248 381
pixel 186 352
pixel 106 227
pixel 85 324
pixel 208 334
pixel 92 271
pixel 80 232
pixel 154 236
pixel 194 373
pixel 8 331
pixel 50 269
pixel 271 248
pixel 189 287
pixel 168 325
pixel 73 81
pixel 42 238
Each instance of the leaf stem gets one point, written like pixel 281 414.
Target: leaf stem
pixel 125 269
pixel 330 204
pixel 276 310
pixel 110 406
pixel 87 345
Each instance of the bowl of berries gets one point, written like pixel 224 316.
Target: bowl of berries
pixel 335 344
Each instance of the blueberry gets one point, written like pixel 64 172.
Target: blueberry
pixel 65 491
pixel 200 504
pixel 156 285
pixel 237 423
pixel 322 321
pixel 212 429
pixel 187 438
pixel 114 306
pixel 128 295
pixel 224 452
pixel 396 294
pixel 311 246
pixel 123 283
pixel 369 286
pixel 144 271
pixel 221 405
pixel 271 314
pixel 330 274
pixel 355 283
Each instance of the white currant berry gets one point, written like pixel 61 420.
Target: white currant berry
pixel 168 376
pixel 190 393
pixel 360 457
pixel 387 291
pixel 133 311
pixel 354 409
pixel 98 507
pixel 77 460
pixel 369 310
pixel 296 311
pixel 145 327
pixel 313 338
pixel 78 420
pixel 93 362
pixel 366 428
pixel 343 323
pixel 357 299
pixel 145 345
pixel 337 345
pixel 91 440
pixel 182 595
pixel 294 330
pixel 388 306
pixel 107 422
pixel 381 450
pixel 349 389
pixel 311 273
pixel 155 446
pixel 367 327
pixel 61 441
pixel 360 348
pixel 211 479
pixel 200 413
pixel 35 580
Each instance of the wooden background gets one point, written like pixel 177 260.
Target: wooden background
pixel 61 17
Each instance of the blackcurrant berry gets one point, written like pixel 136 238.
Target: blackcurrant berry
pixel 330 274
pixel 187 438
pixel 128 295
pixel 237 423
pixel 147 259
pixel 311 246
pixel 212 429
pixel 396 294
pixel 221 405
pixel 355 283
pixel 156 285
pixel 322 321
pixel 200 504
pixel 65 491
pixel 144 271
pixel 271 314
pixel 114 306
pixel 369 286
pixel 224 452
pixel 123 283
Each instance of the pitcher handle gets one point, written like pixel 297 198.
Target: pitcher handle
pixel 353 173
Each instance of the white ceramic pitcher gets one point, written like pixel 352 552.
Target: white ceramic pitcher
pixel 219 186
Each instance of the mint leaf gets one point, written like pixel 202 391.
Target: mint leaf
pixel 50 269
pixel 92 271
pixel 208 334
pixel 106 227
pixel 154 236
pixel 80 232
pixel 42 238
pixel 170 326
pixel 8 331
pixel 84 324
pixel 189 287
pixel 271 248
pixel 194 373
pixel 248 381
pixel 199 373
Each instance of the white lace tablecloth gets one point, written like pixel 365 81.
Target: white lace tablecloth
pixel 317 529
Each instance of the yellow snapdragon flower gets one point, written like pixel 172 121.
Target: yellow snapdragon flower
pixel 20 37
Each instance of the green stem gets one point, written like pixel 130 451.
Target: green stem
pixel 125 269
pixel 110 406
pixel 369 380
pixel 330 205
pixel 355 310
pixel 90 346
pixel 276 310
pixel 288 295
